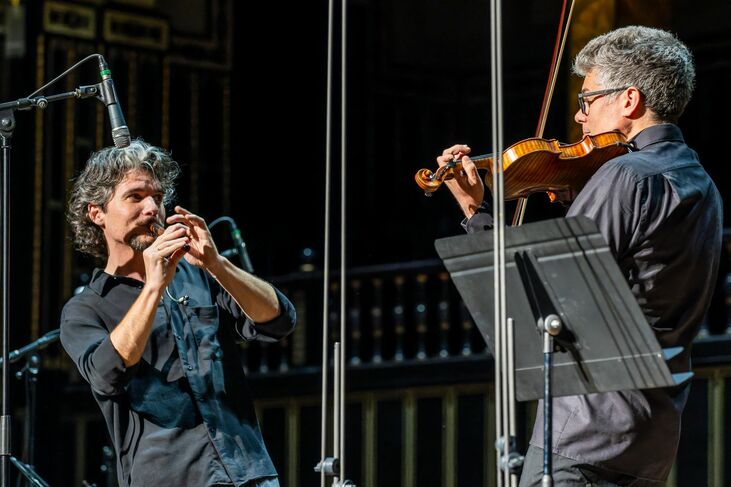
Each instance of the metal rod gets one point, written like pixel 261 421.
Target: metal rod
pixel 497 228
pixel 336 406
pixel 326 245
pixel 547 479
pixel 5 420
pixel 512 426
pixel 502 399
pixel 343 228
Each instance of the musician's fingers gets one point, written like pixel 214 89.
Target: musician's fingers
pixel 178 253
pixel 180 210
pixel 173 229
pixel 183 215
pixel 470 170
pixel 456 151
pixel 168 247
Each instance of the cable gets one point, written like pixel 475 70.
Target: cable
pixel 90 56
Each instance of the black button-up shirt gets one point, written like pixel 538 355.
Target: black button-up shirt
pixel 662 217
pixel 183 415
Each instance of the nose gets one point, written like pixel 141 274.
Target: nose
pixel 150 206
pixel 579 116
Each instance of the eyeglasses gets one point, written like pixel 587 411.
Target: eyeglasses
pixel 584 105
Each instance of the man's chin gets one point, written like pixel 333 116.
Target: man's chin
pixel 140 243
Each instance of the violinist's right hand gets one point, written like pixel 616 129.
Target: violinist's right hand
pixel 467 186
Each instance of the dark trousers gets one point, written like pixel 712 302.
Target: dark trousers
pixel 568 472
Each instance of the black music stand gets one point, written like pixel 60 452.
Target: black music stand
pixel 563 287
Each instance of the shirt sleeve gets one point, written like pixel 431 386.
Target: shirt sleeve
pixel 86 340
pixel 269 331
pixel 480 221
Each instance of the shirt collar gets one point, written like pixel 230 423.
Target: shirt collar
pixel 664 132
pixel 101 282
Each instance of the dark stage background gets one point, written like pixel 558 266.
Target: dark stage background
pixel 236 90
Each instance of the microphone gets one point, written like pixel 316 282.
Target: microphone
pixel 120 131
pixel 42 342
pixel 241 248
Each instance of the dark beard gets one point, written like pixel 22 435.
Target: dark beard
pixel 140 243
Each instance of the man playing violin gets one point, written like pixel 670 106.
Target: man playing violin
pixel 662 217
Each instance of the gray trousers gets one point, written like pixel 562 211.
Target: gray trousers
pixel 568 472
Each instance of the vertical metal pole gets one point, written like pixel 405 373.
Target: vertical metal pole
pixel 5 422
pixel 512 427
pixel 547 480
pixel 505 372
pixel 343 226
pixel 326 246
pixel 336 407
pixel 501 402
pixel 499 433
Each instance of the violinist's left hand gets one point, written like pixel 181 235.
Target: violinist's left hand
pixel 203 252
pixel 466 187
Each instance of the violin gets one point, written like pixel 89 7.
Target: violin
pixel 539 165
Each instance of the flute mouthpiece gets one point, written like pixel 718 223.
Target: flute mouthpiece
pixel 156 229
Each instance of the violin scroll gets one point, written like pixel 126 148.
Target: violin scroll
pixel 431 181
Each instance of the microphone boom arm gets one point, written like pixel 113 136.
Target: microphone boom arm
pixel 88 91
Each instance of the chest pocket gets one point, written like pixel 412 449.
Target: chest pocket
pixel 204 323
pixel 160 351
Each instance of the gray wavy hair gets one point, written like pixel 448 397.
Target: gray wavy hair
pixel 104 170
pixel 652 60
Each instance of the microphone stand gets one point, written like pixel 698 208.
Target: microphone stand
pixel 30 372
pixel 7 127
pixel 239 244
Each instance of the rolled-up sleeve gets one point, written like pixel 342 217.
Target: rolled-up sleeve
pixel 479 222
pixel 269 331
pixel 90 348
pixel 273 330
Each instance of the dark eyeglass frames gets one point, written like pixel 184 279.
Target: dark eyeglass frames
pixel 584 106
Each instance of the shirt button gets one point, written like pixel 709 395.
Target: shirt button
pixel 177 337
pixel 189 367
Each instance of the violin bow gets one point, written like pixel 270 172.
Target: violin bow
pixel 558 48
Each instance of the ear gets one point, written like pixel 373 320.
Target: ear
pixel 96 214
pixel 632 104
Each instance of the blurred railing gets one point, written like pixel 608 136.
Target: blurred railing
pixel 401 313
pixel 420 402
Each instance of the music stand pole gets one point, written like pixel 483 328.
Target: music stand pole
pixel 551 328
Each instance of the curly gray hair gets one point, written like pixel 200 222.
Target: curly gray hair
pixel 652 60
pixel 96 183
